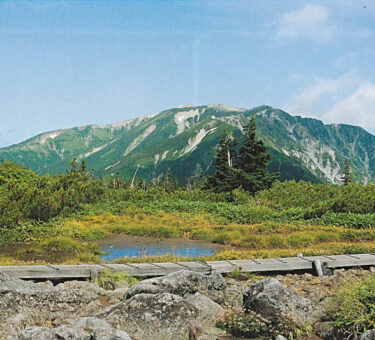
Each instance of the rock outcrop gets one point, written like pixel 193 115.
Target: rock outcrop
pixel 25 303
pixel 271 300
pixel 183 283
pixel 180 306
pixel 171 307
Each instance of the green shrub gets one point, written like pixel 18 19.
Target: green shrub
pixel 352 308
pixel 111 280
pixel 62 244
pixel 252 325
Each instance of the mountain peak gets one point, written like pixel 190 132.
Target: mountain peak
pixel 183 139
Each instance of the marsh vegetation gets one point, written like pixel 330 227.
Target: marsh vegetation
pixel 60 218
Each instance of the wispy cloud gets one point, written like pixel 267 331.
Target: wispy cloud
pixel 309 23
pixel 305 102
pixel 358 108
pixel 347 99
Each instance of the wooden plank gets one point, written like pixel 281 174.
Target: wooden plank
pixel 221 266
pixel 287 264
pixel 273 265
pixel 45 272
pixel 360 260
pixel 197 267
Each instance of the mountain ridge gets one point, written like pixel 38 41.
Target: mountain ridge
pixel 183 139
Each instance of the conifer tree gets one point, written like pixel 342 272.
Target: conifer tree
pixel 252 161
pixel 82 167
pixel 167 180
pixel 346 176
pixel 170 183
pixel 225 176
pixel 73 166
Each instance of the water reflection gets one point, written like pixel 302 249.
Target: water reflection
pixel 130 246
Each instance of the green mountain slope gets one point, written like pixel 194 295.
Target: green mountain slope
pixel 183 139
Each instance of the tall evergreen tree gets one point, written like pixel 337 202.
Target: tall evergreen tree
pixel 225 176
pixel 252 161
pixel 346 176
pixel 82 167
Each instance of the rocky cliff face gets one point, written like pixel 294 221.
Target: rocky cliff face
pixel 183 138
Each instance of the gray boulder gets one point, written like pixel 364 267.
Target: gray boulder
pixel 154 316
pixel 208 310
pixel 90 322
pixel 92 329
pixel 368 335
pixel 271 300
pixel 109 334
pixel 45 333
pixel 166 316
pixel 24 303
pixel 280 337
pixel 183 283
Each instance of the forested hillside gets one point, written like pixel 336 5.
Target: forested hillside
pixel 183 139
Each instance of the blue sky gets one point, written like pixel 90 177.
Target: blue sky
pixel 71 63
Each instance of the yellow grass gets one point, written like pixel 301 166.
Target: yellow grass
pixel 267 239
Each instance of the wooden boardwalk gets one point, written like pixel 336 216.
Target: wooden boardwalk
pixel 287 264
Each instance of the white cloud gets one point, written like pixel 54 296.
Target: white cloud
pixel 305 102
pixel 358 108
pixel 347 99
pixel 310 22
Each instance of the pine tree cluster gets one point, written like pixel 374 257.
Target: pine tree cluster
pixel 241 164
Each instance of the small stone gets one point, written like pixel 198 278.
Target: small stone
pixel 281 337
pixel 92 323
pixel 372 269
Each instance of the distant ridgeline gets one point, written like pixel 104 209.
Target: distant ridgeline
pixel 183 139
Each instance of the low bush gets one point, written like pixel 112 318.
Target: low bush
pixel 111 280
pixel 253 325
pixel 352 308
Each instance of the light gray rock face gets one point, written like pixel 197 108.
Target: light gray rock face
pixel 271 300
pixel 165 316
pixel 91 322
pixel 100 330
pixel 69 333
pixel 45 333
pixel 109 334
pixel 171 307
pixel 24 303
pixel 111 296
pixel 177 306
pixel 183 283
pixel 37 333
pixel 17 294
pixel 208 310
pixel 368 335
pixel 154 316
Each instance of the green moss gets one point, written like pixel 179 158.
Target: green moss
pixel 109 279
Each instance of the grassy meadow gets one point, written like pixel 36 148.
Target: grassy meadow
pixel 75 211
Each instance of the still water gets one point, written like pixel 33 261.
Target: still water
pixel 132 246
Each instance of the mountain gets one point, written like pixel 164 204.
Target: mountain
pixel 183 139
